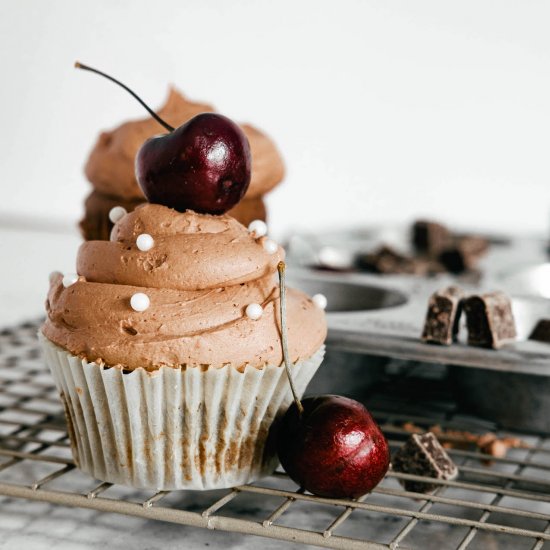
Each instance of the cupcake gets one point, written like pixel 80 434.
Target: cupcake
pixel 110 168
pixel 166 350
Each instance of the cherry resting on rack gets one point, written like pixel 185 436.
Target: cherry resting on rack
pixel 203 165
pixel 328 444
pixel 334 448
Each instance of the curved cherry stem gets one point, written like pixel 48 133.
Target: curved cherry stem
pixel 79 65
pixel 281 267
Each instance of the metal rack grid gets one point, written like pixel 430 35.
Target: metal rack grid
pixel 505 503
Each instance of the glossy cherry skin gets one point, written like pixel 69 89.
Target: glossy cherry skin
pixel 204 165
pixel 334 449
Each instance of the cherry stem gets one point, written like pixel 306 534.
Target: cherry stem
pixel 79 65
pixel 281 267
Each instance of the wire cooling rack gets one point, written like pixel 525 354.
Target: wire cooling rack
pixel 501 503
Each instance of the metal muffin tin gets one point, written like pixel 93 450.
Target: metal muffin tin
pixel 383 315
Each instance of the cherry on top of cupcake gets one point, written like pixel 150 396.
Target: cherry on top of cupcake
pixel 203 165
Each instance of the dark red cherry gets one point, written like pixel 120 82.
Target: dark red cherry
pixel 334 448
pixel 204 165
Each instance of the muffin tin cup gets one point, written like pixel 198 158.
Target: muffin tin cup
pixel 174 428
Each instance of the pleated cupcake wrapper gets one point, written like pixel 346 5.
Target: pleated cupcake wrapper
pixel 189 428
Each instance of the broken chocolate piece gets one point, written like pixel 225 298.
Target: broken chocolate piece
pixel 541 332
pixel 423 455
pixel 443 316
pixel 430 237
pixel 386 261
pixel 489 319
pixel 436 250
pixel 463 254
pixel 468 441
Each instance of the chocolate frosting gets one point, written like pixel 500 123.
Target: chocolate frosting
pixel 200 275
pixel 110 166
pixel 96 224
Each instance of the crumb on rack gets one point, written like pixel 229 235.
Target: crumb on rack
pixel 487 443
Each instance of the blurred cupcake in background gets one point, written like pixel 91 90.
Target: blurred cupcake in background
pixel 110 167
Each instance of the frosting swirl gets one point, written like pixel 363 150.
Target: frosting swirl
pixel 200 275
pixel 110 166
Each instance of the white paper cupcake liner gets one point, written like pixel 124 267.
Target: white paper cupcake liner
pixel 189 428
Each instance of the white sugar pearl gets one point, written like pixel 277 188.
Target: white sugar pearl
pixel 69 279
pixel 145 242
pixel 270 246
pixel 254 311
pixel 117 213
pixel 320 300
pixel 258 227
pixel 140 301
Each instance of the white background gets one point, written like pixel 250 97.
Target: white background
pixel 382 110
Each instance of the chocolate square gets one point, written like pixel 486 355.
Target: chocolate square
pixel 430 237
pixel 489 319
pixel 541 332
pixel 463 254
pixel 443 316
pixel 386 261
pixel 423 455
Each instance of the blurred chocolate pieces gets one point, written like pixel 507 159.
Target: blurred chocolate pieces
pixel 541 332
pixel 423 455
pixel 489 319
pixel 463 253
pixel 387 260
pixel 435 250
pixel 456 253
pixel 429 237
pixel 443 316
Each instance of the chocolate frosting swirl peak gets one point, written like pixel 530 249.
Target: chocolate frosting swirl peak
pixel 191 252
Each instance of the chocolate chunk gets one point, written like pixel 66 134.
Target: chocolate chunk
pixel 474 245
pixel 386 261
pixel 463 254
pixel 437 250
pixel 423 455
pixel 443 316
pixel 541 332
pixel 489 319
pixel 430 237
